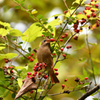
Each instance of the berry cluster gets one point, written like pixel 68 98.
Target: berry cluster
pixel 7 60
pixel 30 57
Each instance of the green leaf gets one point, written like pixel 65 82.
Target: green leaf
pixel 17 7
pixel 29 49
pixel 8 55
pixel 13 95
pixel 29 6
pixel 15 32
pixel 20 82
pixel 39 16
pixel 32 33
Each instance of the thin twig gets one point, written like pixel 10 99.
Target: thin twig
pixel 56 94
pixel 90 57
pixel 66 6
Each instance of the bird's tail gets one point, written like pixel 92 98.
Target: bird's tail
pixel 54 78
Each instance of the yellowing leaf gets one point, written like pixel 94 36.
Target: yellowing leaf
pixel 53 24
pixel 15 32
pixel 34 11
pixel 8 55
pixel 3 32
pixel 32 33
pixel 20 82
pixel 78 1
pixel 80 16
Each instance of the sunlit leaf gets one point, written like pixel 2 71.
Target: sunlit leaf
pixel 80 16
pixel 32 33
pixel 15 32
pixel 20 67
pixel 20 82
pixel 3 32
pixel 34 11
pixel 8 55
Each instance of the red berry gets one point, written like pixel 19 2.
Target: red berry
pixel 79 13
pixel 29 57
pixel 92 10
pixel 63 86
pixel 69 46
pixel 32 54
pixel 91 0
pixel 64 55
pixel 54 54
pixel 75 37
pixel 9 60
pixel 55 69
pixel 63 36
pixel 31 60
pixel 65 11
pixel 84 11
pixel 29 73
pixel 11 71
pixel 12 78
pixel 6 61
pixel 52 40
pixel 42 35
pixel 61 40
pixel 66 34
pixel 97 25
pixel 88 16
pixel 35 50
pixel 86 78
pixel 93 14
pixel 77 31
pixel 56 73
pixel 45 76
pixel 61 49
pixel 87 8
pixel 31 91
pixel 96 5
pixel 65 80
pixel 39 73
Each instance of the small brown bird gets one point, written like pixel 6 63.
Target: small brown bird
pixel 44 55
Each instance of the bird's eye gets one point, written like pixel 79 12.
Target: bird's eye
pixel 44 40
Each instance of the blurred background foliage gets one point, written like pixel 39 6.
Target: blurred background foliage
pixel 78 57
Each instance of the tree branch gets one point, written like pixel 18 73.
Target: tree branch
pixel 88 93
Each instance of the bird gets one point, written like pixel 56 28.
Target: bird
pixel 44 56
